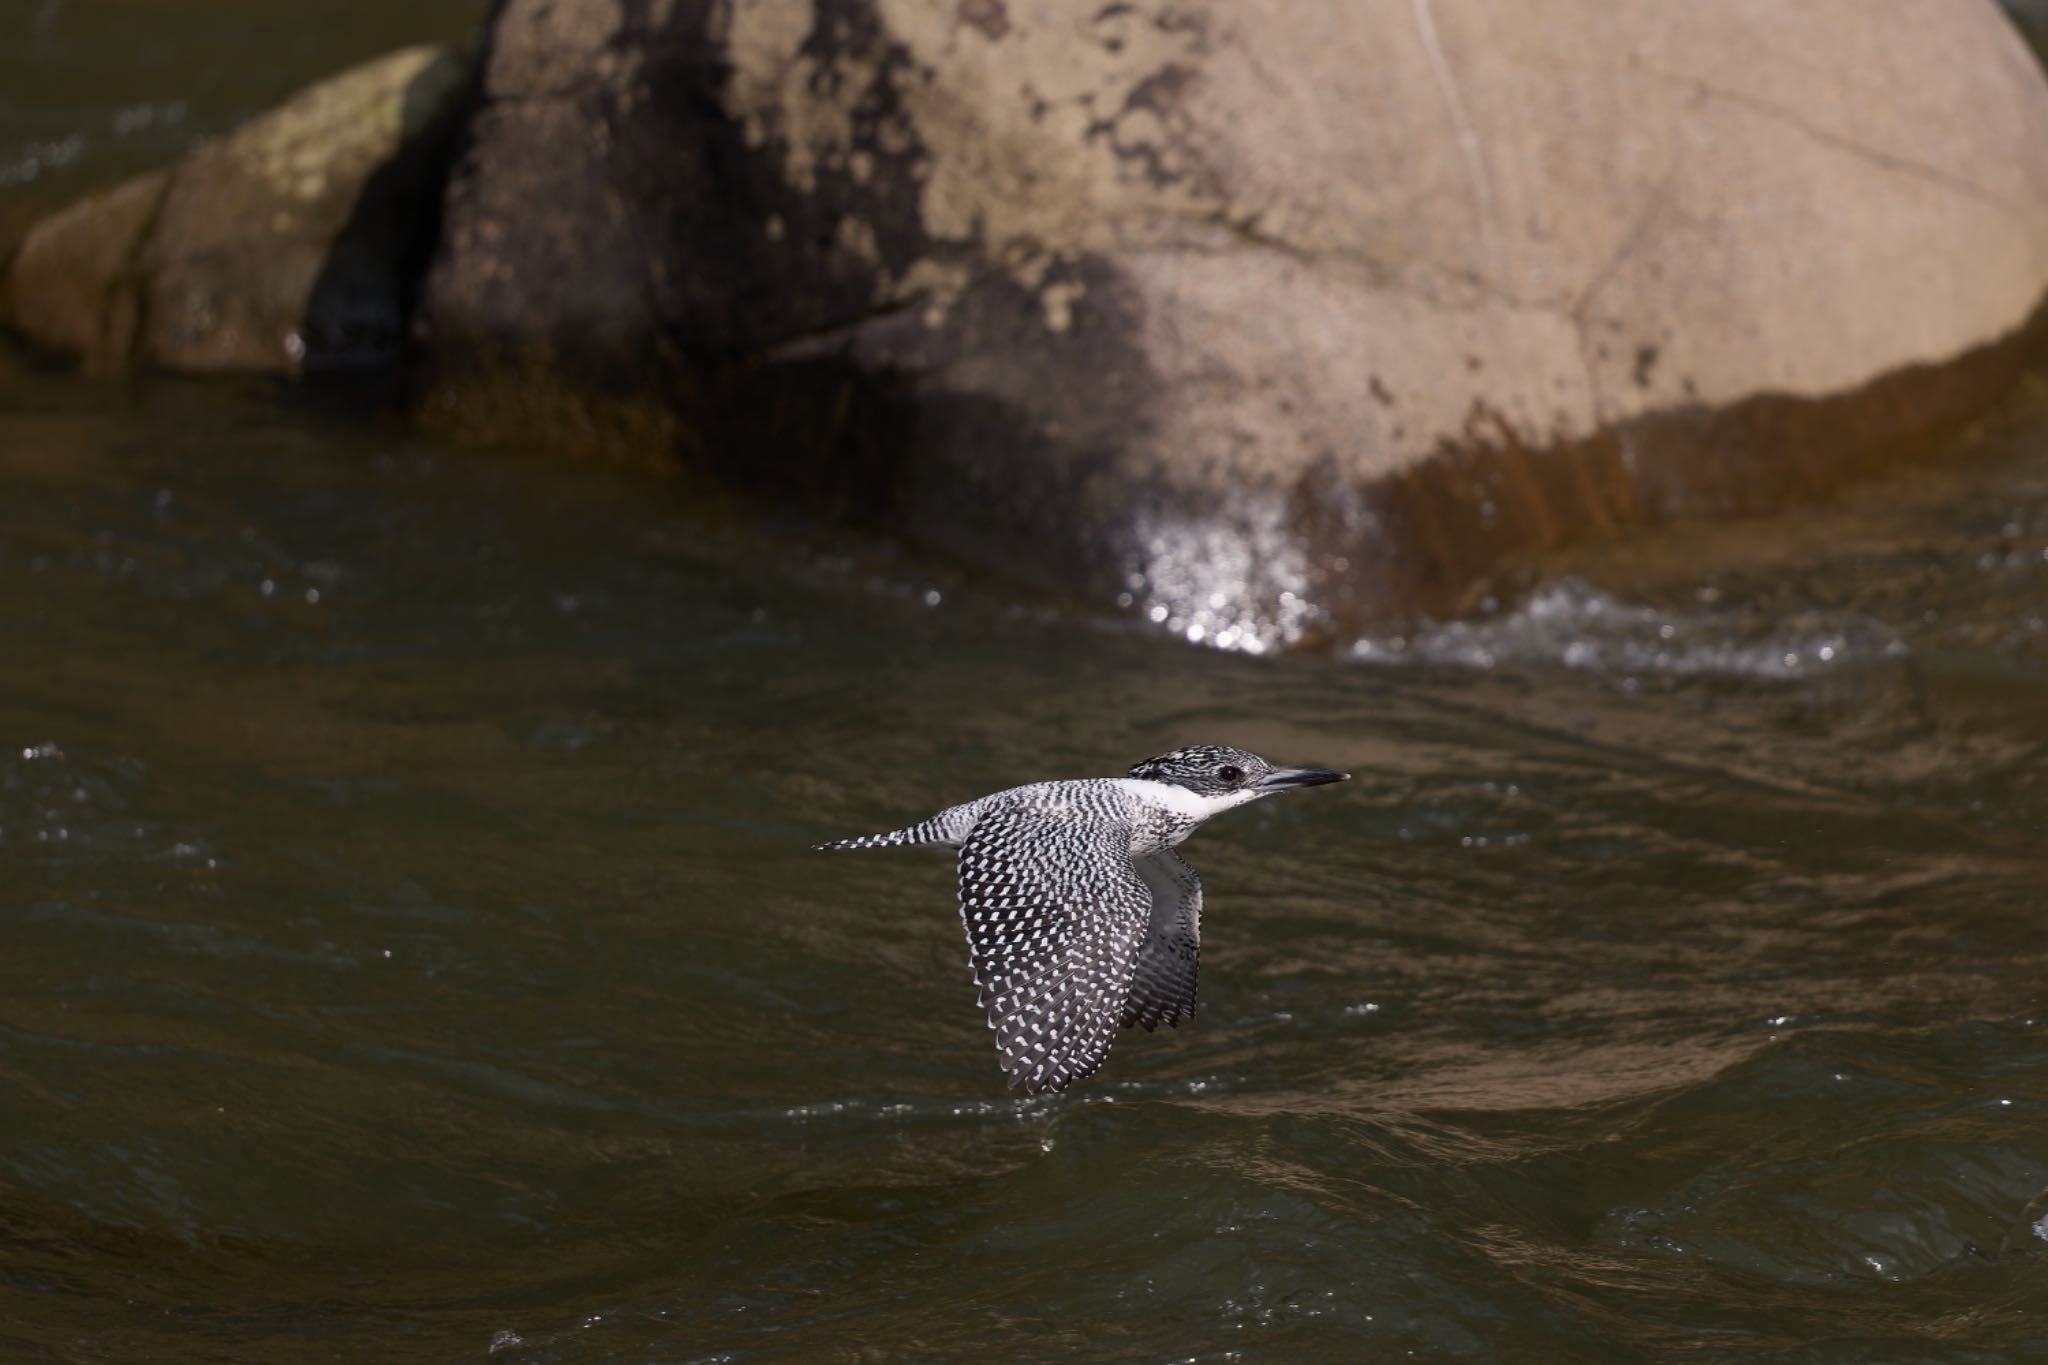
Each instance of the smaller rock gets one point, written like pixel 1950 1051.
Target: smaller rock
pixel 72 285
pixel 287 245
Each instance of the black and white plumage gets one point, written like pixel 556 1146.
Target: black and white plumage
pixel 1080 915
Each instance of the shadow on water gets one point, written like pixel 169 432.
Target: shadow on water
pixel 414 945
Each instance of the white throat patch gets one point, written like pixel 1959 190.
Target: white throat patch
pixel 1181 801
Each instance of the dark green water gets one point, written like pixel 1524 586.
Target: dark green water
pixel 412 943
pixel 92 90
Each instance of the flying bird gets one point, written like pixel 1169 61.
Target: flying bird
pixel 1080 915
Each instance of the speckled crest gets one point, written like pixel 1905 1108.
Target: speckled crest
pixel 1211 769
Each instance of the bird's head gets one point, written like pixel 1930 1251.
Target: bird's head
pixel 1222 773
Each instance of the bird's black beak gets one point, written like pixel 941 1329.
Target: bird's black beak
pixel 1285 779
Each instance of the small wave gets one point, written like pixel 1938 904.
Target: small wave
pixel 1572 624
pixel 32 160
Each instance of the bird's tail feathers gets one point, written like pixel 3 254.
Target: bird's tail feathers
pixel 865 842
pixel 944 830
pixel 916 834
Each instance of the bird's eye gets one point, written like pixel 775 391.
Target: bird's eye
pixel 1227 773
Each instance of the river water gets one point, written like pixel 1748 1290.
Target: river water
pixel 413 950
pixel 91 90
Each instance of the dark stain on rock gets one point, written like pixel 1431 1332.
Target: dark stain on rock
pixel 1112 41
pixel 582 324
pixel 987 16
pixel 1183 23
pixel 1646 364
pixel 1164 162
pixel 1379 392
pixel 1437 537
pixel 996 483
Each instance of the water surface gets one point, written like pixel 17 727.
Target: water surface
pixel 414 949
pixel 94 90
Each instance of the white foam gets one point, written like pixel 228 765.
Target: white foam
pixel 1574 625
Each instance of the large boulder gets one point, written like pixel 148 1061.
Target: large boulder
pixel 1249 316
pixel 293 242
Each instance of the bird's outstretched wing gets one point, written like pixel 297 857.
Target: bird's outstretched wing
pixel 1163 981
pixel 1053 911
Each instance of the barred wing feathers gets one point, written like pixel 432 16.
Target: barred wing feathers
pixel 1054 912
